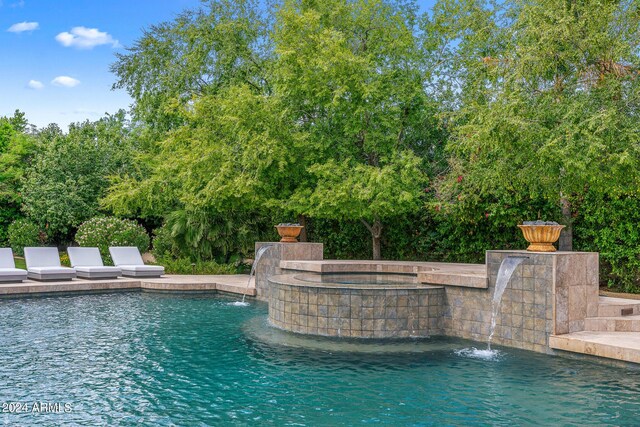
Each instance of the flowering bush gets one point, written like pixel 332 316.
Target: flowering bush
pixel 23 233
pixel 102 232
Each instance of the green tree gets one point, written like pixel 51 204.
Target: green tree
pixel 549 100
pixel 70 173
pixel 218 177
pixel 353 73
pixel 16 150
pixel 324 114
pixel 202 51
pixel 176 73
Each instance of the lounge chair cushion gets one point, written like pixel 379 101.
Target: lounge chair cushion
pixel 52 270
pixel 51 273
pixel 8 274
pixel 6 258
pixel 84 257
pixel 98 272
pixel 41 257
pixel 142 270
pixel 8 270
pixel 98 269
pixel 125 255
pixel 155 268
pixel 44 264
pixel 128 258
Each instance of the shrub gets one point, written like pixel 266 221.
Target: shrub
pixel 64 259
pixel 102 232
pixel 164 245
pixel 186 266
pixel 609 225
pixel 24 233
pixel 9 212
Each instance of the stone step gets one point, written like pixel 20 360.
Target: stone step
pixel 613 307
pixel 613 323
pixel 623 346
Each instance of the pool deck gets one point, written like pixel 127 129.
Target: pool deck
pixel 234 284
pixel 433 273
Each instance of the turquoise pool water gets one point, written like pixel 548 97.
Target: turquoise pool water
pixel 156 359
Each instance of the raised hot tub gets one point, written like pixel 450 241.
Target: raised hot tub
pixel 362 305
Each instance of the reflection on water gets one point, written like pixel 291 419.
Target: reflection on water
pixel 153 359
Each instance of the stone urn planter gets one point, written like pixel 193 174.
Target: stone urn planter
pixel 289 232
pixel 541 235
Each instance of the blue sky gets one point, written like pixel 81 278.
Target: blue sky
pixel 55 50
pixel 55 54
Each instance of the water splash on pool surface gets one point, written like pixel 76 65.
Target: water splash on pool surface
pixel 239 304
pixel 484 353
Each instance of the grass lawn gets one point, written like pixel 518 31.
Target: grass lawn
pixel 20 262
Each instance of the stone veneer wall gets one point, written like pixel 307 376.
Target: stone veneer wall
pixel 360 313
pixel 550 293
pixel 269 264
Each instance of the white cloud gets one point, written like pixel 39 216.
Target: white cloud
pixel 35 84
pixel 65 81
pixel 81 113
pixel 86 38
pixel 23 26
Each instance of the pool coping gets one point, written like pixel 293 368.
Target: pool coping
pixel 293 280
pixel 233 284
pixel 432 273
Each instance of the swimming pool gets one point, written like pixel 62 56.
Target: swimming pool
pixel 161 359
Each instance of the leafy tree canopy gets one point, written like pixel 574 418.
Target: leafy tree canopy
pixel 323 114
pixel 70 172
pixel 550 101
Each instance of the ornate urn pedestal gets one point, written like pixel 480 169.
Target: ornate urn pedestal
pixel 541 236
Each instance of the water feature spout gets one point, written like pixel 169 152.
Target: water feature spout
pixel 259 253
pixel 507 268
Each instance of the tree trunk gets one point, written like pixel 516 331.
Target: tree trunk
pixel 376 232
pixel 302 220
pixel 566 236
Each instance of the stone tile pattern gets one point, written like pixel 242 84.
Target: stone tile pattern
pixel 269 264
pixel 576 291
pixel 360 313
pixel 550 293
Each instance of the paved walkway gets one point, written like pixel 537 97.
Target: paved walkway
pixel 235 284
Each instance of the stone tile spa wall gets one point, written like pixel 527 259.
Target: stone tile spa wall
pixel 356 312
pixel 549 293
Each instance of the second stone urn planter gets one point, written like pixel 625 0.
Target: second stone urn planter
pixel 289 232
pixel 541 235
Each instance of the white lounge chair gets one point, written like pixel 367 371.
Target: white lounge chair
pixel 8 270
pixel 129 260
pixel 44 264
pixel 88 264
